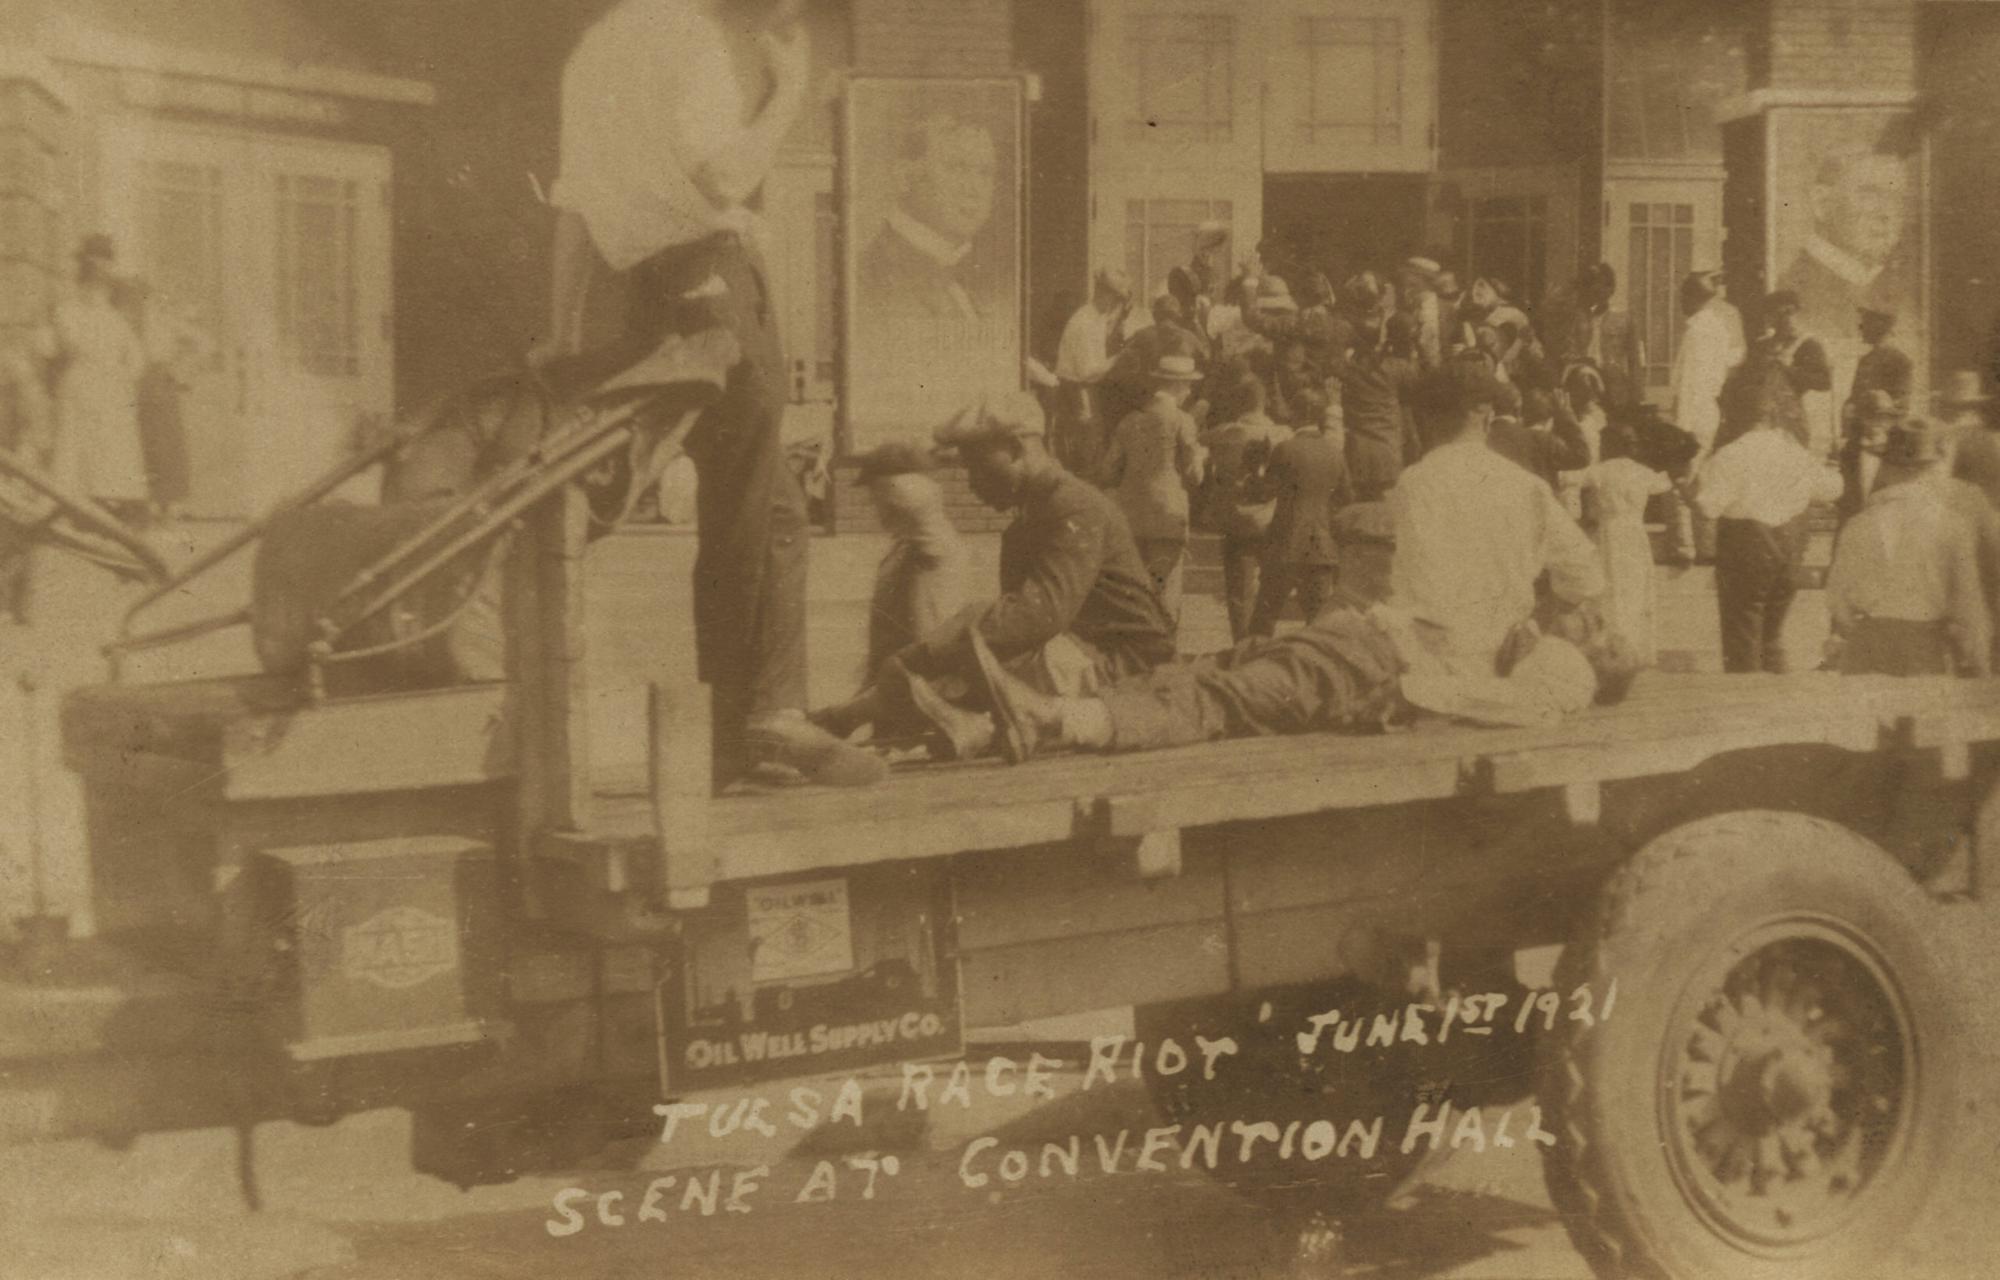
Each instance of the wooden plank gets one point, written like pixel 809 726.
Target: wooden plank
pixel 1042 894
pixel 400 742
pixel 926 812
pixel 1100 971
pixel 564 642
pixel 679 746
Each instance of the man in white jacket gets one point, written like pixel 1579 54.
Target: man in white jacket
pixel 1711 345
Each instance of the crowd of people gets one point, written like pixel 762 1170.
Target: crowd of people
pixel 1426 472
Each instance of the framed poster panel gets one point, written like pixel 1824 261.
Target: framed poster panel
pixel 1847 227
pixel 933 179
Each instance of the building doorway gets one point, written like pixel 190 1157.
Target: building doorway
pixel 278 251
pixel 1343 223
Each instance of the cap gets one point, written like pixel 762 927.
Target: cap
pixel 1913 442
pixel 1423 266
pixel 1876 313
pixel 1273 294
pixel 1112 280
pixel 996 415
pixel 1963 387
pixel 98 247
pixel 1177 368
pixel 1365 522
pixel 1211 234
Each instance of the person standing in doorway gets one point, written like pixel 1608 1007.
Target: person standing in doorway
pixel 672 115
pixel 1711 345
pixel 1755 489
pixel 1154 461
pixel 91 356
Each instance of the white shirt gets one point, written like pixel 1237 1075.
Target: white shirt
pixel 1473 532
pixel 1711 345
pixel 1554 680
pixel 1764 476
pixel 1084 355
pixel 649 96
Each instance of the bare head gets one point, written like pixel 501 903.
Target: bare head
pixel 949 168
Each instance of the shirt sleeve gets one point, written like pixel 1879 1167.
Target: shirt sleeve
pixel 1715 489
pixel 1052 591
pixel 1075 361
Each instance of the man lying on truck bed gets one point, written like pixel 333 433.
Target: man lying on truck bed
pixel 1438 593
pixel 1076 608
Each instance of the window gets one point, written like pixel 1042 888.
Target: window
pixel 180 230
pixel 1354 80
pixel 1661 256
pixel 1159 236
pixel 318 320
pixel 1182 73
pixel 1507 239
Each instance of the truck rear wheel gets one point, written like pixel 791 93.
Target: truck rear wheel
pixel 1773 1092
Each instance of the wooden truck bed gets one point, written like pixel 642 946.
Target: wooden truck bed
pixel 1670 724
pixel 233 742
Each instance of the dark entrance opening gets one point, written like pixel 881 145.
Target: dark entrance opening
pixel 1343 223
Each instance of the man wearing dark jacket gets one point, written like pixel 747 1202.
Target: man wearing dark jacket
pixel 1076 607
pixel 1308 477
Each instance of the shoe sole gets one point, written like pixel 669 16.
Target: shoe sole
pixel 1012 738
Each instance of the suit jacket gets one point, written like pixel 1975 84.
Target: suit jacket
pixel 1068 564
pixel 1308 477
pixel 901 281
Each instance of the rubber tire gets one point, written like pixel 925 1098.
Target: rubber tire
pixel 1660 918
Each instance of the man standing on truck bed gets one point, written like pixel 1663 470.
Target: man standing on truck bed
pixel 672 115
pixel 1076 609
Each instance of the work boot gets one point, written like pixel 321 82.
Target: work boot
pixel 789 739
pixel 960 734
pixel 1025 717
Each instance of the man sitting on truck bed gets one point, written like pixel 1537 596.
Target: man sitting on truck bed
pixel 1454 637
pixel 1077 608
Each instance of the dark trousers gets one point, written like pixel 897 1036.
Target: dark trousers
pixel 1754 564
pixel 1313 583
pixel 1338 673
pixel 1241 572
pixel 750 561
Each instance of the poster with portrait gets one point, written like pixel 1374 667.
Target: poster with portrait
pixel 1847 225
pixel 933 198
